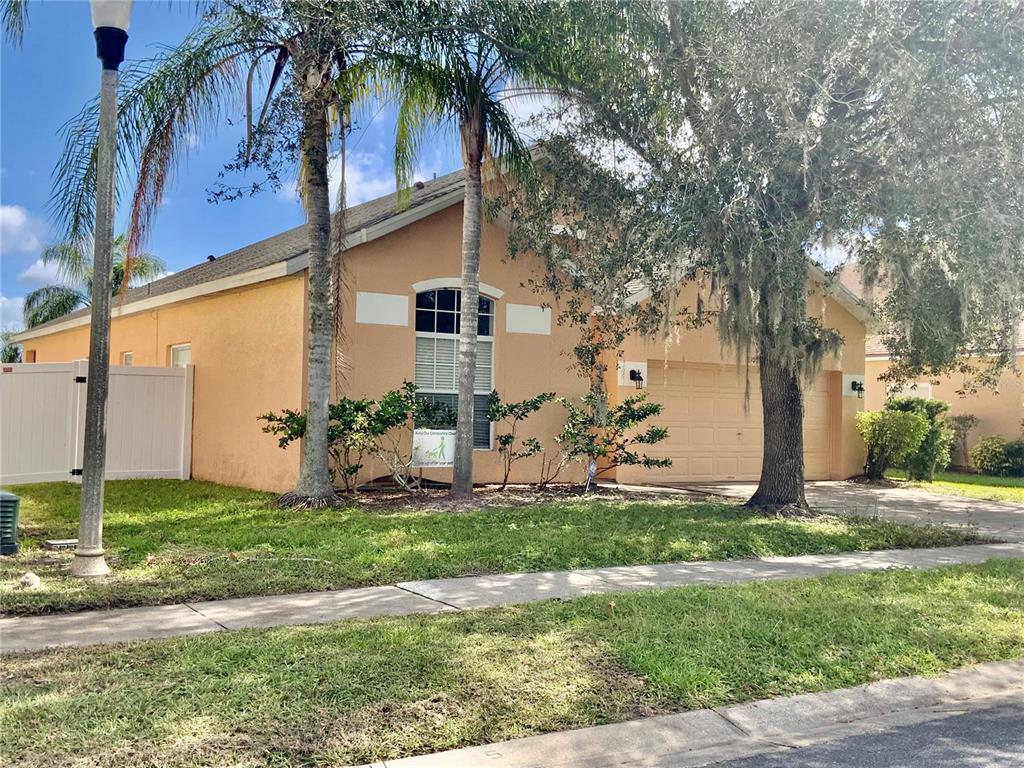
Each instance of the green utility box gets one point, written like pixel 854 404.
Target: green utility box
pixel 9 504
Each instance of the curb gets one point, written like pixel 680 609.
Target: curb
pixel 701 737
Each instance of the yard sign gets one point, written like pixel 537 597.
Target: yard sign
pixel 433 447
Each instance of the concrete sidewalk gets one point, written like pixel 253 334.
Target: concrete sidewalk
pixel 708 736
pixel 441 595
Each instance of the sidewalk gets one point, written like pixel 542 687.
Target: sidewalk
pixel 440 595
pixel 710 736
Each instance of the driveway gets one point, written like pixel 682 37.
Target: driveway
pixel 998 519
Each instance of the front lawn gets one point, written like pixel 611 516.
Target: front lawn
pixel 967 484
pixel 170 541
pixel 361 691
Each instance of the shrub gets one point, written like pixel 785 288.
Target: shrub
pixel 358 427
pixel 611 439
pixel 1015 458
pixel 511 414
pixel 989 456
pixel 933 453
pixel 890 437
pixel 349 434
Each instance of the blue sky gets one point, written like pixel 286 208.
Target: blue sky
pixel 46 81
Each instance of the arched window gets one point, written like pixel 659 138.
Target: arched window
pixel 438 321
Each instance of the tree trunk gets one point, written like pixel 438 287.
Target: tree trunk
pixel 472 219
pixel 782 463
pixel 89 561
pixel 315 488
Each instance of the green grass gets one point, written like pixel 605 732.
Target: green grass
pixel 971 485
pixel 170 541
pixel 370 690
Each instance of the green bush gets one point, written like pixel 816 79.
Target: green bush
pixel 890 437
pixel 933 455
pixel 613 439
pixel 1015 458
pixel 359 427
pixel 989 456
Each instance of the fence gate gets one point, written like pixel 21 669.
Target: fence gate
pixel 42 422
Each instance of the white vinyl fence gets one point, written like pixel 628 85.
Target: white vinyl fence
pixel 42 422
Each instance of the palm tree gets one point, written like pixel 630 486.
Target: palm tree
pixel 454 74
pixel 311 57
pixel 74 266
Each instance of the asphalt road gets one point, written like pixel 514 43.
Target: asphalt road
pixel 989 737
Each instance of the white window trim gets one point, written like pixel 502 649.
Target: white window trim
pixel 129 355
pixel 486 291
pixel 455 284
pixel 174 348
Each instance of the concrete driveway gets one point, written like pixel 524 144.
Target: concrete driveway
pixel 998 519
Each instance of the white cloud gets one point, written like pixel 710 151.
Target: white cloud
pixel 11 312
pixel 39 274
pixel 20 232
pixel 367 177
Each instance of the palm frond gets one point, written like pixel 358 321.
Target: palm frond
pixel 73 259
pixel 15 16
pixel 165 102
pixel 50 302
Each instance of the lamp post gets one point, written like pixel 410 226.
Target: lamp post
pixel 110 19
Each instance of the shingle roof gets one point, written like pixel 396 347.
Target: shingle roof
pixel 282 247
pixel 874 345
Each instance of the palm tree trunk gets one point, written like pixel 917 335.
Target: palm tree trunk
pixel 315 488
pixel 782 463
pixel 472 130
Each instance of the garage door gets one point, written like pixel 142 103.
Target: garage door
pixel 711 436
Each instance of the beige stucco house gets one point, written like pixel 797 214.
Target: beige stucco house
pixel 999 410
pixel 240 320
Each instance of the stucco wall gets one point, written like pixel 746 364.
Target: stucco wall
pixel 1000 411
pixel 247 349
pixel 380 357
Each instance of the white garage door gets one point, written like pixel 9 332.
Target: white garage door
pixel 711 436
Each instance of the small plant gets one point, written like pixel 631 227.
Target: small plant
pixel 933 454
pixel 358 427
pixel 511 415
pixel 610 440
pixel 890 437
pixel 962 424
pixel 989 456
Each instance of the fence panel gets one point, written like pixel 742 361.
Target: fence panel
pixel 149 422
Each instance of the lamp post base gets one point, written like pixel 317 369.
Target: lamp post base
pixel 89 564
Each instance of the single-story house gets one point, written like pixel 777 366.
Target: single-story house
pixel 239 319
pixel 999 410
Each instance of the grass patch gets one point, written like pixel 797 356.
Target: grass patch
pixel 369 690
pixel 970 485
pixel 170 541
